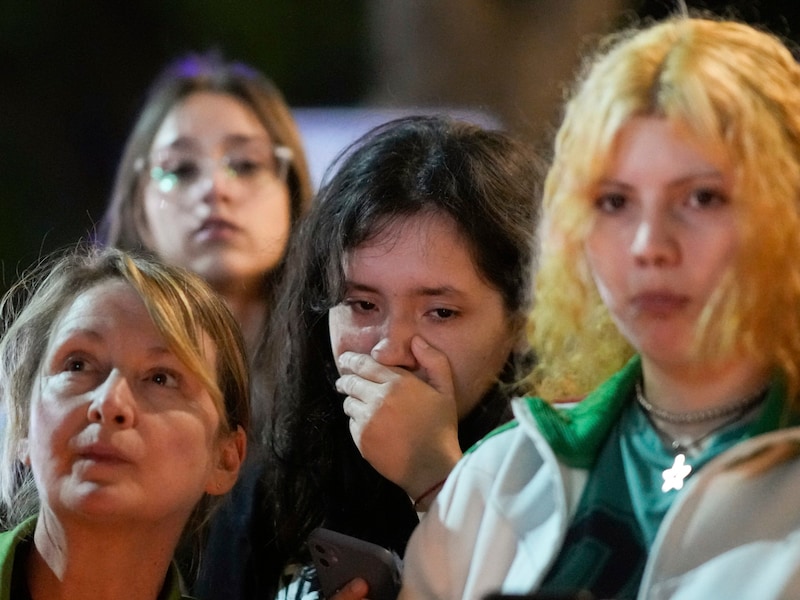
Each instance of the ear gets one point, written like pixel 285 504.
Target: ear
pixel 230 451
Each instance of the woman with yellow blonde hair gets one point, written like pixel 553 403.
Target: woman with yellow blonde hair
pixel 125 393
pixel 668 302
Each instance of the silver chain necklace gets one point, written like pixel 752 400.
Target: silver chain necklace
pixel 674 477
pixel 698 416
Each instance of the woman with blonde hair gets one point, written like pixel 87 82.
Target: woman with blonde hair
pixel 668 299
pixel 125 388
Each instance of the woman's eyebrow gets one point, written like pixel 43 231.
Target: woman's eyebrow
pixel 422 290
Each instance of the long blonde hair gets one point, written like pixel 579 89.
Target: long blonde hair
pixel 737 91
pixel 182 306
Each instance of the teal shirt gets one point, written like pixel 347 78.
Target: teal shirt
pixel 577 434
pixel 23 533
pixel 622 506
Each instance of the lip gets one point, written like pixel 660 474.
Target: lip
pixel 103 453
pixel 659 303
pixel 214 228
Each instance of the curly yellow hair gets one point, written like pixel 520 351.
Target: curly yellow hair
pixel 736 90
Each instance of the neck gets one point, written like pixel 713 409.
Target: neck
pixel 77 561
pixel 250 308
pixel 678 389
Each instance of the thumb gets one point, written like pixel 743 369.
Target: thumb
pixel 435 364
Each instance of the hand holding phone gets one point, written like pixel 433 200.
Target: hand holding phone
pixel 340 558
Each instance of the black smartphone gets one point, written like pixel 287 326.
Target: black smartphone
pixel 340 558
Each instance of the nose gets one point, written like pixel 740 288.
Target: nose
pixel 113 403
pixel 393 347
pixel 215 183
pixel 654 241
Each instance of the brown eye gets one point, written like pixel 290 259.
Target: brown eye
pixel 360 305
pixel 244 167
pixel 610 203
pixel 76 364
pixel 707 197
pixel 164 378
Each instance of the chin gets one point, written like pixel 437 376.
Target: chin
pixel 101 509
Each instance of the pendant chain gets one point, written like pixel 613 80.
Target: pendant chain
pixel 686 447
pixel 699 416
pixel 674 477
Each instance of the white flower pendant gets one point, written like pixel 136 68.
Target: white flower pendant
pixel 676 474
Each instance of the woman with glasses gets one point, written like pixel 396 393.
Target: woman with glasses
pixel 213 178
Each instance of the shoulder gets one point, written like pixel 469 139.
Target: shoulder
pixel 501 506
pixel 512 425
pixel 517 444
pixel 501 465
pixel 766 466
pixel 753 485
pixel 9 542
pixel 10 539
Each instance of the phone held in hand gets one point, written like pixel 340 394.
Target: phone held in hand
pixel 340 558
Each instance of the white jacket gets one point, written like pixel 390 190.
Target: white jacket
pixel 500 521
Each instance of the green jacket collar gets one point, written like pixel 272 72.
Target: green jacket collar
pixel 576 433
pixel 9 541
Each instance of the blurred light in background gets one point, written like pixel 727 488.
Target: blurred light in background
pixel 328 131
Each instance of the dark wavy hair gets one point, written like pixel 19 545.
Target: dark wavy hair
pixel 487 183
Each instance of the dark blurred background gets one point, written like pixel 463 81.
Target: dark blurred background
pixel 74 74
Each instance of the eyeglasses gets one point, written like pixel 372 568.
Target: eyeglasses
pixel 183 173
